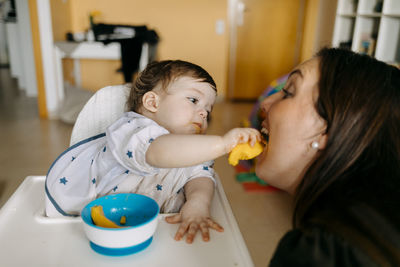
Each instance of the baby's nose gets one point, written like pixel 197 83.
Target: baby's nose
pixel 203 113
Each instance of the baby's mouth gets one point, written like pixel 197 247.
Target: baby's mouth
pixel 197 127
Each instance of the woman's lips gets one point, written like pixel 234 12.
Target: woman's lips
pixel 265 127
pixel 264 131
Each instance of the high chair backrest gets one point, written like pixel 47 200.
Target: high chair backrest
pixel 102 109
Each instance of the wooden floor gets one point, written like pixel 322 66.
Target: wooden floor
pixel 30 144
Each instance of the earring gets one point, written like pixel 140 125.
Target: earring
pixel 315 145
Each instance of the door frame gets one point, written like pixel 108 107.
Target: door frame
pixel 53 92
pixel 232 20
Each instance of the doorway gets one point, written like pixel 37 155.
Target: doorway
pixel 265 43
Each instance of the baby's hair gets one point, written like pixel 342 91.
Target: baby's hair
pixel 163 73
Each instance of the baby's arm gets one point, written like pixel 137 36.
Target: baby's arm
pixel 175 151
pixel 195 213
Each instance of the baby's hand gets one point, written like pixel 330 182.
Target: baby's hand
pixel 240 135
pixel 193 217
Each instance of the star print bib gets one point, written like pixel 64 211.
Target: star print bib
pixel 114 162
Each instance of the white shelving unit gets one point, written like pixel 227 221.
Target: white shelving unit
pixel 369 26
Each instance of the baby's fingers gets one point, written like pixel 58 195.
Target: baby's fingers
pixel 254 136
pixel 177 218
pixel 249 135
pixel 193 228
pixel 214 225
pixel 173 219
pixel 181 232
pixel 205 233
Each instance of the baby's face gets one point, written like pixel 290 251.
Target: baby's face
pixel 185 105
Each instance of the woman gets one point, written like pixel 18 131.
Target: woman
pixel 334 144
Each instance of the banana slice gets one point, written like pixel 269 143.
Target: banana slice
pixel 100 219
pixel 244 151
pixel 122 220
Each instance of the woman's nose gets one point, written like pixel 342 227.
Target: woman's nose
pixel 266 104
pixel 269 101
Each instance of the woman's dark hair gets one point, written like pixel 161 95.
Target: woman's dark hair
pixel 359 98
pixel 164 72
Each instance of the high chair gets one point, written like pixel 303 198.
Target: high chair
pixel 101 110
pixel 45 241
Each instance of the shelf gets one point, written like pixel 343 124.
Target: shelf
pixel 352 15
pixel 344 30
pixel 388 45
pixel 369 6
pixel 346 7
pixel 369 26
pixel 391 7
pixel 393 15
pixel 372 15
pixel 89 50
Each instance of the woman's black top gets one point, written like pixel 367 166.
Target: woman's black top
pixel 354 235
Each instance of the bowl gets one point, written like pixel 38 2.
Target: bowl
pixel 134 235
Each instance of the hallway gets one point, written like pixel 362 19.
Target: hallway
pixel 31 144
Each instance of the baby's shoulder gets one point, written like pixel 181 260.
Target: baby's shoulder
pixel 132 121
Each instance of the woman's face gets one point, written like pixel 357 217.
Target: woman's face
pixel 293 124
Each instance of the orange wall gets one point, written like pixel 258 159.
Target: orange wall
pixel 61 18
pixel 186 29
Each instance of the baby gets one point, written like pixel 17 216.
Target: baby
pixel 158 148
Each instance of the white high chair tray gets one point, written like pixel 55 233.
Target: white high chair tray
pixel 30 239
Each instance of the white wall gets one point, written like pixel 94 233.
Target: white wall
pixel 28 79
pixel 3 44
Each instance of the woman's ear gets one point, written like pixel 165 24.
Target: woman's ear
pixel 323 139
pixel 150 101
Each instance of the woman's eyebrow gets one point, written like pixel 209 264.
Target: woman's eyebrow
pixel 296 71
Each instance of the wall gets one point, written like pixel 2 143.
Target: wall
pixel 61 18
pixel 319 22
pixel 310 17
pixel 186 29
pixel 325 24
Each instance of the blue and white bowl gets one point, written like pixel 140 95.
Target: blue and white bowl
pixel 141 222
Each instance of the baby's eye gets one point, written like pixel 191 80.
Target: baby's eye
pixel 193 100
